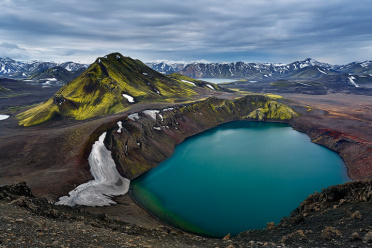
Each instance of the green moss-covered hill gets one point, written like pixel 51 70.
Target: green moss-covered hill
pixel 5 91
pixel 110 85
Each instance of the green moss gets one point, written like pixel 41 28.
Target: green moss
pixel 272 110
pixel 98 91
pixel 257 114
pixel 283 83
pixel 38 114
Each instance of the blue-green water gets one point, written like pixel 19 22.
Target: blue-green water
pixel 237 176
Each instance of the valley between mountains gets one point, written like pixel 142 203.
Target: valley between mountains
pixel 49 135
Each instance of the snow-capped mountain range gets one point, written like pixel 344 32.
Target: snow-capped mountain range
pixel 308 68
pixel 17 69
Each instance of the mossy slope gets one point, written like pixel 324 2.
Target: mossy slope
pixel 101 90
pixel 5 92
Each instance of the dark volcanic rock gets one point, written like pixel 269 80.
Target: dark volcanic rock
pixel 324 219
pixel 19 189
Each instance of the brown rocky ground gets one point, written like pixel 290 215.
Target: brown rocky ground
pixel 52 159
pixel 347 113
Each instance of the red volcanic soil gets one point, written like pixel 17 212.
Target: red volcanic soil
pixel 344 125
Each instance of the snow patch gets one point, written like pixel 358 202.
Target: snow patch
pixel 158 92
pixel 133 117
pixel 117 56
pixel 151 113
pixel 157 128
pixel 321 71
pixel 210 86
pixel 4 117
pixel 365 64
pixel 167 109
pixel 129 98
pixel 304 84
pixel 185 81
pixel 351 79
pixel 120 124
pixel 144 73
pixel 106 184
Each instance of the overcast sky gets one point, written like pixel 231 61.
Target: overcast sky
pixel 335 31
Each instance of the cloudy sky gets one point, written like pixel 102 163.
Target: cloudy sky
pixel 337 31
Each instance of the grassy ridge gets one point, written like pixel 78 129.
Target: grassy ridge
pixel 5 91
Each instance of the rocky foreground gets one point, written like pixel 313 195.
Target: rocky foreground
pixel 339 216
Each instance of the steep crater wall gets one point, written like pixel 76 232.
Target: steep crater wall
pixel 143 140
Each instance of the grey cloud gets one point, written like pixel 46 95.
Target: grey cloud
pixel 12 50
pixel 195 29
pixel 9 46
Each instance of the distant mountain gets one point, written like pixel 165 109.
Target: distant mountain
pixel 309 62
pixel 55 75
pixel 9 66
pixel 16 69
pixel 356 68
pixel 331 83
pixel 253 71
pixel 308 68
pixel 166 67
pixel 111 84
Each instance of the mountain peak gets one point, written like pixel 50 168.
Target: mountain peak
pixel 109 85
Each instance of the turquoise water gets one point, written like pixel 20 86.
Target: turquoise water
pixel 237 176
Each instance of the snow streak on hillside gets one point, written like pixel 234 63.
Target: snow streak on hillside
pixel 107 180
